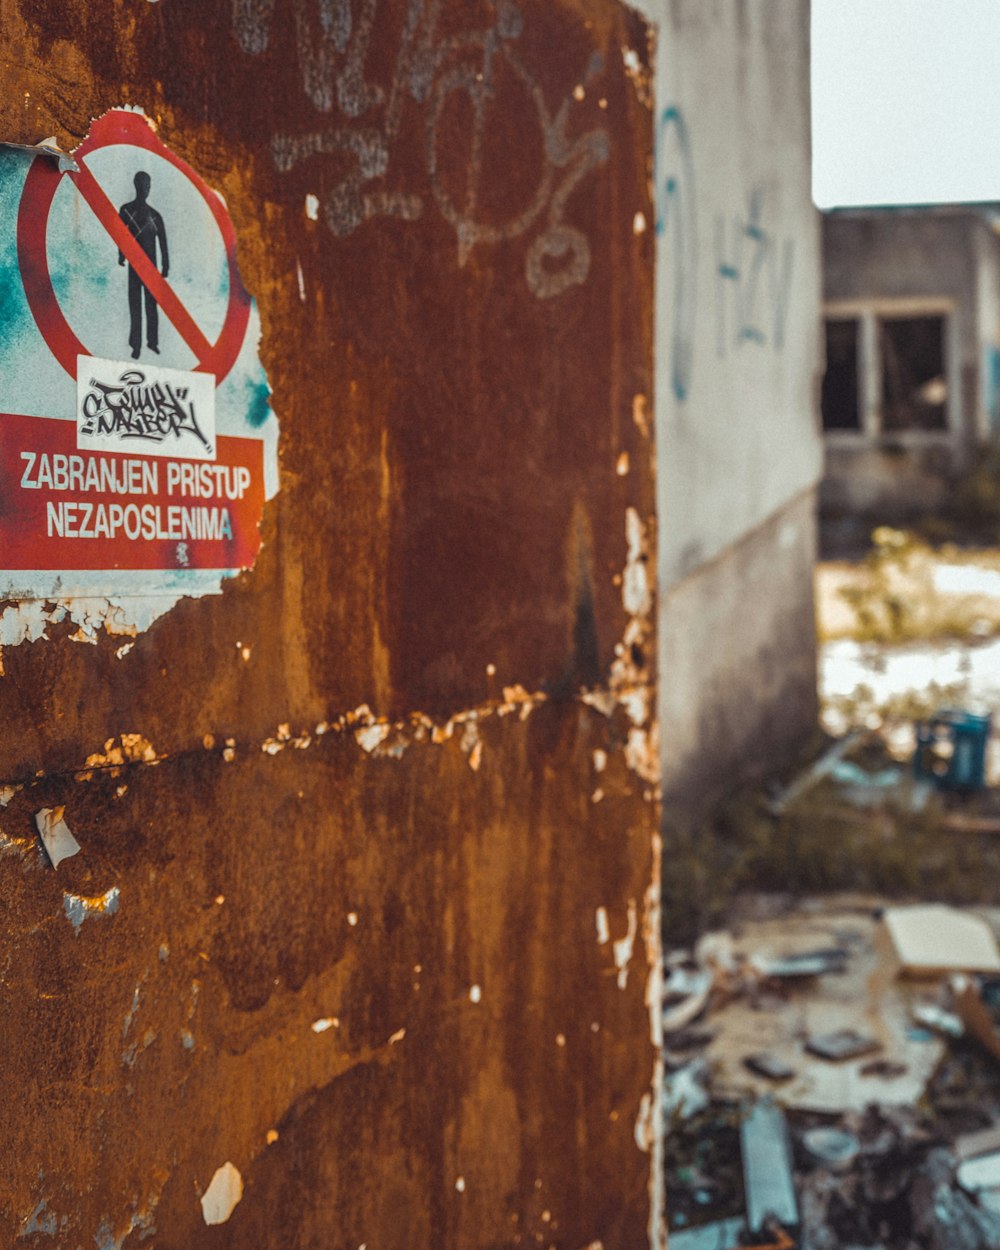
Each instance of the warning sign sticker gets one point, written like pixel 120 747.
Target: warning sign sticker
pixel 137 440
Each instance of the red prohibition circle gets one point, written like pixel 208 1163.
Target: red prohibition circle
pixel 40 186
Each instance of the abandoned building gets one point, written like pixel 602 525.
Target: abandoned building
pixel 911 300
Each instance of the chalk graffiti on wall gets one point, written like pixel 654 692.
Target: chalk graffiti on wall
pixel 753 266
pixel 332 45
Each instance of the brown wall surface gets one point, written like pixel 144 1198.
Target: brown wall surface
pixel 412 752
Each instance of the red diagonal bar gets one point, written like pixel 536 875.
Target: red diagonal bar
pixel 152 279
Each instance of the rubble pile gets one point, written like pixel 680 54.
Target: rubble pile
pixel 833 1078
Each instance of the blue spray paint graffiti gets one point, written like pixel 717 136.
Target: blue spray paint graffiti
pixel 677 223
pixel 753 267
pixel 755 275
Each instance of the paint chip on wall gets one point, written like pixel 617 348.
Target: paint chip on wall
pixel 220 1198
pixel 78 908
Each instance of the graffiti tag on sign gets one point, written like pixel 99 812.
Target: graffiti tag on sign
pixel 163 412
pixel 137 443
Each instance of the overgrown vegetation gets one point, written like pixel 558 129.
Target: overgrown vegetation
pixel 825 842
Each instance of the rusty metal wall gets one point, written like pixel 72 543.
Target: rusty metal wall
pixel 367 897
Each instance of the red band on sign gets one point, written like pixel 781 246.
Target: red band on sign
pixel 40 186
pixel 64 508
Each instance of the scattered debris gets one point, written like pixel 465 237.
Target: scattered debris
pixel 887 1069
pixel 834 1147
pixel 981 1172
pixel 805 964
pixel 972 1011
pixel 770 1066
pixel 59 843
pixel 719 1235
pixel 842 1044
pixel 859 1078
pixel 947 1023
pixel 823 767
pixel 685 1091
pixel 971 1145
pixel 768 1184
pixel 685 997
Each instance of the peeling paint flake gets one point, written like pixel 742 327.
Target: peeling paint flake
pixel 7 793
pixel 602 701
pixel 79 908
pixel 46 147
pixel 59 843
pixel 326 1022
pixel 623 947
pixel 41 1221
pixel 372 736
pixel 636 595
pixel 223 1193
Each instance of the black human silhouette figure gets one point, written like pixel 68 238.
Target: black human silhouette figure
pixel 146 226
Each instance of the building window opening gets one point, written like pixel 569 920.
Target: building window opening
pixel 914 390
pixel 840 405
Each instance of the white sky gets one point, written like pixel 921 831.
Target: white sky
pixel 906 101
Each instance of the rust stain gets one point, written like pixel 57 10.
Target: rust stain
pixel 385 782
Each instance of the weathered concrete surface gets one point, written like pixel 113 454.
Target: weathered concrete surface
pixel 740 648
pixel 373 933
pixel 738 340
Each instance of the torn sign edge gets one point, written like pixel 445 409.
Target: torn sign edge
pixel 132 608
pixel 46 147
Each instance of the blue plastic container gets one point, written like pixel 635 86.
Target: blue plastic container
pixel 951 750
